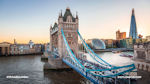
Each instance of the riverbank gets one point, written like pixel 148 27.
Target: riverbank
pixel 145 77
pixel 110 50
pixel 114 49
pixel 41 53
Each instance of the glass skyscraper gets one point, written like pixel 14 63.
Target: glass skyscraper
pixel 133 29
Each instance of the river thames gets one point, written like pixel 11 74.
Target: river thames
pixel 32 66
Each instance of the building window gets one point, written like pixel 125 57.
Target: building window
pixel 141 54
pixel 69 35
pixel 69 42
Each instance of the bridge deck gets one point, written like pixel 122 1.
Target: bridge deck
pixel 98 74
pixel 94 79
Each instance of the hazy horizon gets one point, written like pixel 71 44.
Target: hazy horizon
pixel 27 20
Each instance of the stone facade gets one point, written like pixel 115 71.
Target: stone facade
pixel 70 25
pixel 142 56
pixel 142 51
pixel 4 48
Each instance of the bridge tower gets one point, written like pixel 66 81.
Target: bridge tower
pixel 69 24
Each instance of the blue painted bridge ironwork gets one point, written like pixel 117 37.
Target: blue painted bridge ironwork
pixel 95 72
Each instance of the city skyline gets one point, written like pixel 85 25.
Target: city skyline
pixel 30 20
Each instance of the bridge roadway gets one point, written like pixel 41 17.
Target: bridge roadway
pixel 98 74
pixel 91 77
pixel 94 79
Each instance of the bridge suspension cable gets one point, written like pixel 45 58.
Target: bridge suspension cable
pixel 91 52
pixel 93 55
pixel 71 54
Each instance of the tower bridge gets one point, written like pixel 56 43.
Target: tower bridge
pixel 64 53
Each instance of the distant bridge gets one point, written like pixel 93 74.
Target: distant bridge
pixel 113 49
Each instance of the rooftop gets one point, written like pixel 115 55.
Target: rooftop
pixel 68 13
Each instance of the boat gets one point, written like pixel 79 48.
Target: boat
pixel 116 51
pixel 126 55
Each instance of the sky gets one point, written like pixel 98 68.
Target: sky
pixel 27 20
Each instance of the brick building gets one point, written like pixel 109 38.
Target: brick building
pixel 120 35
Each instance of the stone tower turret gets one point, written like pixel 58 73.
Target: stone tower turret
pixel 70 25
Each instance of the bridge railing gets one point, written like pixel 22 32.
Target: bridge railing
pixel 82 71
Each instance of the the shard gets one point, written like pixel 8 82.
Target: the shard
pixel 133 28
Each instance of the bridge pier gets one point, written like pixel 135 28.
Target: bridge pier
pixel 140 66
pixel 44 57
pixel 149 68
pixel 55 64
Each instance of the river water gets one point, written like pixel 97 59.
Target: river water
pixel 32 66
pixel 114 58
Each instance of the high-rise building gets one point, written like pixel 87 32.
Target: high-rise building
pixel 133 29
pixel 120 35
